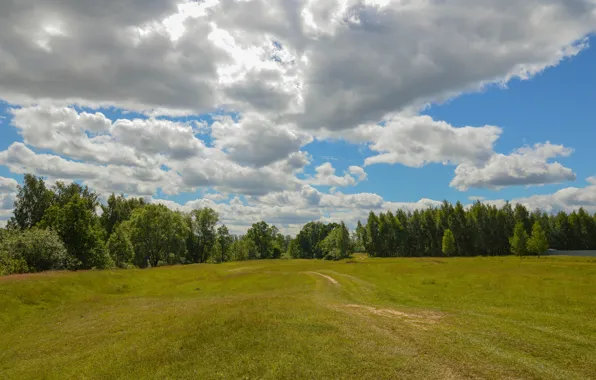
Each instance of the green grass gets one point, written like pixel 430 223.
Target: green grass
pixel 487 318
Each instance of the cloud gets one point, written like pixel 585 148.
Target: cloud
pixel 416 141
pixel 120 53
pixel 255 140
pixel 8 185
pixel 290 210
pixel 525 166
pixel 140 156
pixel 8 188
pixel 567 199
pixel 325 176
pixel 370 60
pixel 93 137
pixel 280 72
pixel 104 178
pixel 334 65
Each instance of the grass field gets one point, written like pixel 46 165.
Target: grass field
pixel 488 318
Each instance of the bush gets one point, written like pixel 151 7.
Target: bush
pixel 11 265
pixel 33 250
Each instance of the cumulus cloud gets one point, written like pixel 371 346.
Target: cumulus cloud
pixel 140 156
pixel 8 185
pixel 419 140
pixel 325 176
pixel 8 188
pixel 107 178
pixel 93 137
pixel 290 210
pixel 255 140
pixel 334 65
pixel 525 166
pixel 279 72
pixel 118 53
pixel 426 51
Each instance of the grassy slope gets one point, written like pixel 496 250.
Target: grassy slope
pixel 490 318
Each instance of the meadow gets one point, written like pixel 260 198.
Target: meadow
pixel 360 318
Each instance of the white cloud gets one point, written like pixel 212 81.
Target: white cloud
pixel 358 172
pixel 325 176
pixel 525 166
pixel 131 155
pixel 419 140
pixel 95 138
pixel 8 185
pixel 290 210
pixel 257 141
pixel 104 178
pixel 567 199
pixel 335 64
pixel 8 188
pixel 284 69
pixel 369 61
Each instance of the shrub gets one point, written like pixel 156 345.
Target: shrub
pixel 33 250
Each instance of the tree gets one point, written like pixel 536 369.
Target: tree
pixel 373 248
pixel 157 234
pixel 448 243
pixel 361 238
pixel 263 237
pixel 120 247
pixel 519 240
pixel 538 243
pixel 64 193
pixel 79 228
pixel 224 240
pixel 293 249
pixel 118 210
pixel 336 245
pixel 33 199
pixel 32 250
pixel 203 234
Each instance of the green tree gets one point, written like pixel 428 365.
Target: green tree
pixel 79 228
pixel 519 240
pixel 203 235
pixel 118 210
pixel 538 243
pixel 293 249
pixel 373 248
pixel 361 238
pixel 264 238
pixel 33 199
pixel 224 241
pixel 120 247
pixel 243 249
pixel 336 245
pixel 64 193
pixel 448 243
pixel 157 234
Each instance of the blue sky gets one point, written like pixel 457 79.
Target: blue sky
pixel 356 107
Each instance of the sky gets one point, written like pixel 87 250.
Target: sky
pixel 292 111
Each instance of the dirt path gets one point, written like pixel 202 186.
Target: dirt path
pixel 331 279
pixel 243 269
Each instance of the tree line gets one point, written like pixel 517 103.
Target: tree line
pixel 66 227
pixel 481 229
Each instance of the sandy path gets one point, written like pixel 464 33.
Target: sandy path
pixel 331 279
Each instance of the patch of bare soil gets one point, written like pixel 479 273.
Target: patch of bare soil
pixel 415 318
pixel 243 269
pixel 331 279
